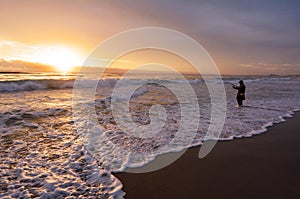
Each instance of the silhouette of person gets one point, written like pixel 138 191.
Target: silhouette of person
pixel 241 92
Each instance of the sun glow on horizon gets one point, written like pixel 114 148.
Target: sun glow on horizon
pixel 62 58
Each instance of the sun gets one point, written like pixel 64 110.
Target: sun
pixel 62 58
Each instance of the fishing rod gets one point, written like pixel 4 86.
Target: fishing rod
pixel 230 83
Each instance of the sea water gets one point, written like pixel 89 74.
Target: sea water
pixel 43 155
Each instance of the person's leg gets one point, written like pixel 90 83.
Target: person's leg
pixel 239 101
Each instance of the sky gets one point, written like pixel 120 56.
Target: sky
pixel 242 37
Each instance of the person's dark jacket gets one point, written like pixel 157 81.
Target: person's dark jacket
pixel 241 91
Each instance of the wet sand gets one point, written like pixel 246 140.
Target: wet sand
pixel 263 166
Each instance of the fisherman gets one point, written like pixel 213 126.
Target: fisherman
pixel 241 92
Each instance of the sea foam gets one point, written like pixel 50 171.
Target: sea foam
pixel 44 156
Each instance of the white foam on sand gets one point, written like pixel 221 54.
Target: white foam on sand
pixel 268 102
pixel 43 156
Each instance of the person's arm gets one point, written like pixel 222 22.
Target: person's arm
pixel 235 87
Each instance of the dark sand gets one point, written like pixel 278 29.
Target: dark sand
pixel 263 166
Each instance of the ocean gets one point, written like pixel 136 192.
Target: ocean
pixel 42 153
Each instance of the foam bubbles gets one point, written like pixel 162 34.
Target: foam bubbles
pixel 43 156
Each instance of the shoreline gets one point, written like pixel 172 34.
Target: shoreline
pixel 265 165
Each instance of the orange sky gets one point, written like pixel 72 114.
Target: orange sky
pixel 242 38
